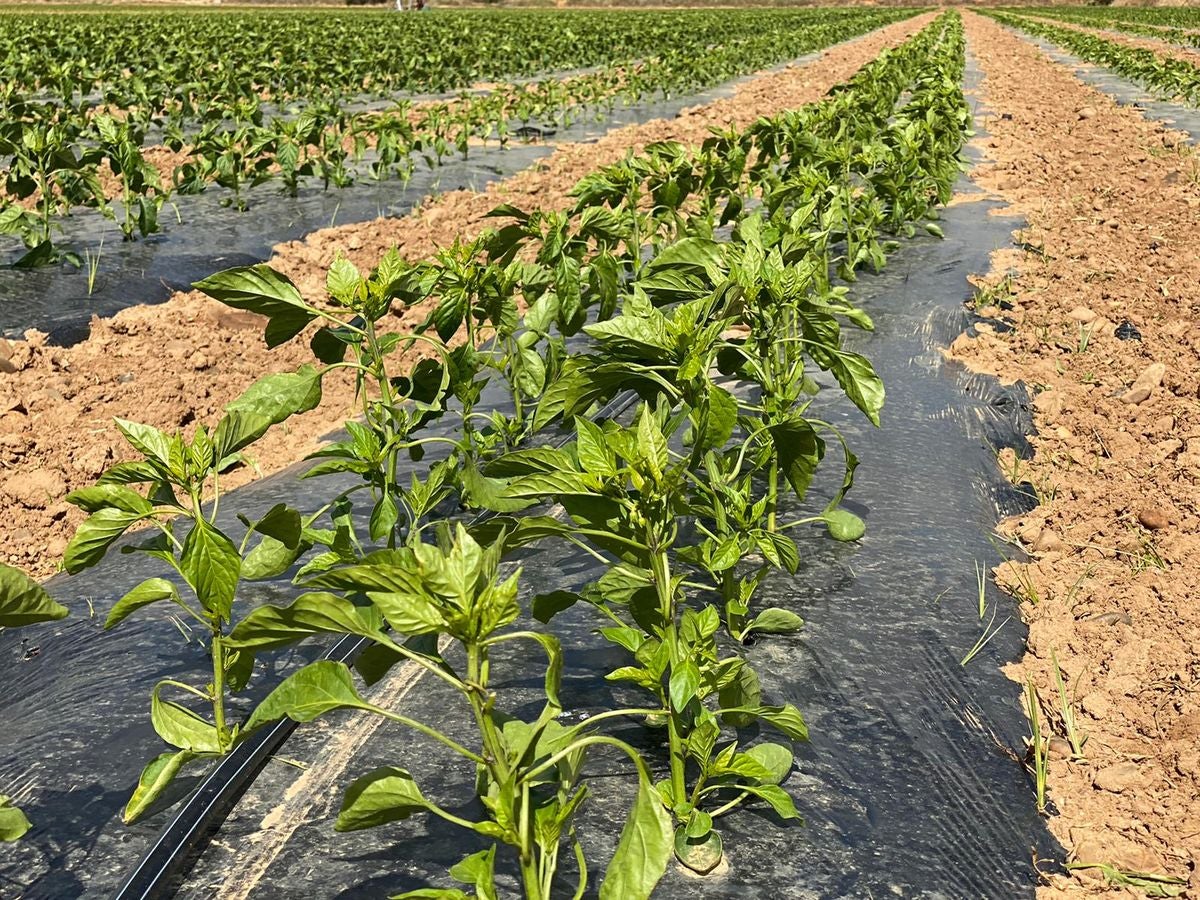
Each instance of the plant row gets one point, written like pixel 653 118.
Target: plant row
pixel 1094 18
pixel 1171 79
pixel 162 61
pixel 699 282
pixel 55 154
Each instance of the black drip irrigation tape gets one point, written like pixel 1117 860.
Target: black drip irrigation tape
pixel 1125 92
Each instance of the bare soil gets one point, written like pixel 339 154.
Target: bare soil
pixel 1112 203
pixel 179 363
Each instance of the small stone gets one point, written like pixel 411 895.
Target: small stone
pixel 199 361
pixel 56 547
pixel 1049 542
pixel 1082 315
pixel 1087 112
pixel 1116 617
pixel 354 242
pixel 126 378
pixel 1153 519
pixel 1118 779
pixel 1145 384
pixel 1059 748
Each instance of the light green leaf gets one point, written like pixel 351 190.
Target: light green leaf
pixel 13 823
pixel 212 566
pixel 386 795
pixel 776 759
pixel 180 727
pixel 643 851
pixel 156 777
pixel 316 689
pixel 844 525
pixel 149 591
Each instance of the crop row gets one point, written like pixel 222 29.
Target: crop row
pixel 1105 19
pixel 56 155
pixel 699 281
pixel 163 61
pixel 1172 79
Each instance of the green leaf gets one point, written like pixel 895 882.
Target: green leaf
pixel 282 523
pixel 774 620
pixel 13 823
pixel 212 566
pixel 786 718
pixel 857 377
pixel 742 691
pixel 386 795
pixel 149 591
pixel 316 689
pixel 383 518
pixel 844 525
pixel 643 851
pixel 799 449
pixel 147 440
pixel 270 627
pixel 478 870
pixel 685 681
pixel 776 759
pixel 546 606
pixel 180 727
pixel 95 536
pixel 100 496
pixel 24 602
pixel 156 777
pixel 262 290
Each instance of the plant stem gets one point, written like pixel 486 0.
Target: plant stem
pixel 660 566
pixel 218 698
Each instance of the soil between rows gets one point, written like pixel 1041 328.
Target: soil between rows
pixel 180 362
pixel 1112 203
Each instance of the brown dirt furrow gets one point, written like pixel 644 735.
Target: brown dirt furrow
pixel 1163 48
pixel 181 362
pixel 1112 205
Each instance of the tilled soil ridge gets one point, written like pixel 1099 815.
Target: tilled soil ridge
pixel 181 362
pixel 1104 301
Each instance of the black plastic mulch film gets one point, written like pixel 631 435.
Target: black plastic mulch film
pixel 911 785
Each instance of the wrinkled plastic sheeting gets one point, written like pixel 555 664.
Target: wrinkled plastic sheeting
pixel 1121 89
pixel 911 784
